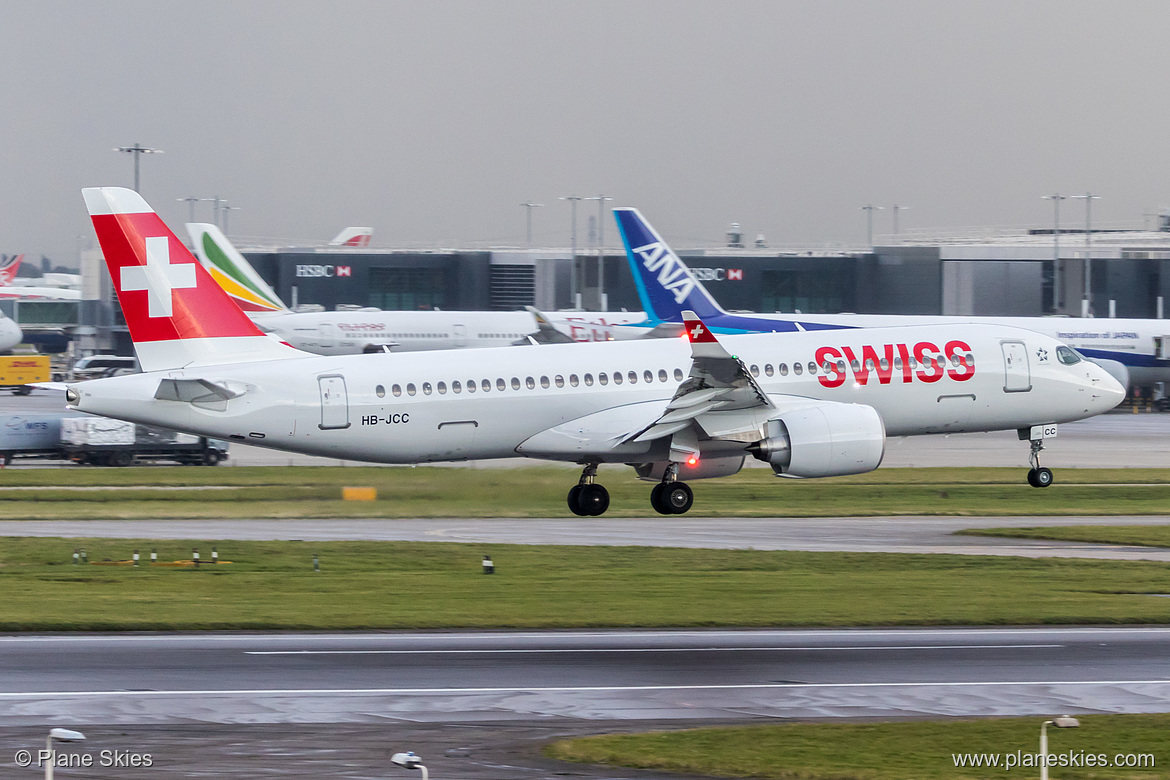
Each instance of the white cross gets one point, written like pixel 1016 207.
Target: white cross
pixel 158 277
pixel 697 331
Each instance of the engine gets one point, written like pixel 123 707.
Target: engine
pixel 826 440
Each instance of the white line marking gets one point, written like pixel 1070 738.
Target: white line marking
pixel 564 689
pixel 764 648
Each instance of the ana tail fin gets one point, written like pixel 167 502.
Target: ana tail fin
pixel 665 284
pixel 177 314
pixel 353 236
pixel 233 273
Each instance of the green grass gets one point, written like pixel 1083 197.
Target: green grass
pixel 880 751
pixel 286 492
pixel 394 585
pixel 1142 535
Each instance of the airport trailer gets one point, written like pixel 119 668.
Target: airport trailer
pixel 100 441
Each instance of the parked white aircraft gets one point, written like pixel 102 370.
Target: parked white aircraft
pixel 374 330
pixel 1135 351
pixel 672 409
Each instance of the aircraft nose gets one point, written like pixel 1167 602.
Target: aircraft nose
pixel 1107 391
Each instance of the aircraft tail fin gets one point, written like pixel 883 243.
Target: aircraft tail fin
pixel 8 266
pixel 666 286
pixel 353 236
pixel 177 315
pixel 233 273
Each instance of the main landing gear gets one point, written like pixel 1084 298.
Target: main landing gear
pixel 587 498
pixel 671 497
pixel 1037 476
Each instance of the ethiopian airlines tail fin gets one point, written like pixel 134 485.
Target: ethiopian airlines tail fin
pixel 665 285
pixel 177 315
pixel 8 266
pixel 233 273
pixel 353 236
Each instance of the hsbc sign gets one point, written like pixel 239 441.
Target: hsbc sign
pixel 326 271
pixel 718 274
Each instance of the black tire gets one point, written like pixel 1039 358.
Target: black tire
pixel 121 459
pixel 22 390
pixel 656 499
pixel 678 498
pixel 574 503
pixel 593 500
pixel 211 458
pixel 1043 477
pixel 1032 477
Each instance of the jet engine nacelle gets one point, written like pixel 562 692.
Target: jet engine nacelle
pixel 825 440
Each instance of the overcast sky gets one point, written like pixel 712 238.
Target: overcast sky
pixel 431 120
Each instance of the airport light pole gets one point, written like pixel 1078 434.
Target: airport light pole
pixel 895 211
pixel 601 199
pixel 410 761
pixel 869 209
pixel 1056 198
pixel 573 286
pixel 137 150
pixel 191 201
pixel 61 735
pixel 1088 198
pixel 1063 722
pixel 225 209
pixel 528 207
pixel 215 208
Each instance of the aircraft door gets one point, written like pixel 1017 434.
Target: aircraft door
pixel 1018 376
pixel 334 403
pixel 460 334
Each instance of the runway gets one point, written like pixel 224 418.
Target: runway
pixel 816 534
pixel 609 675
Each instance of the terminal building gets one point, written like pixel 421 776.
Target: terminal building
pixel 1007 275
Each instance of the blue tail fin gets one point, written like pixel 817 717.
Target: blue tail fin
pixel 665 285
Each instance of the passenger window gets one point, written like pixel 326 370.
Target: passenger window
pixel 603 378
pixel 632 377
pixel 486 385
pixel 442 388
pixel 560 380
pixel 812 367
pixel 589 380
pixel 544 382
pixel 897 362
pixel 410 389
pixel 515 383
pixel 648 376
pixel 755 370
pixel 768 370
pixel 797 369
pixel 783 369
pixel 426 388
pixel 573 379
pixel 855 365
pixel 380 391
pixel 397 390
pixel 678 375
pixel 456 387
pixel 662 377
pixel 530 383
pixel 471 385
pixel 617 377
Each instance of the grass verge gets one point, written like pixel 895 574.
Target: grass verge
pixel 399 585
pixel 887 751
pixel 290 492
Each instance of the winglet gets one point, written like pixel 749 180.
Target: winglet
pixel 703 341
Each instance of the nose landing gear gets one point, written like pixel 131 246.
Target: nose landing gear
pixel 587 498
pixel 1037 476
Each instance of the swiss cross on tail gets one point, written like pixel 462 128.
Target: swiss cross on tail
pixel 176 313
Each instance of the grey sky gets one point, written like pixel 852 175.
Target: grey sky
pixel 433 120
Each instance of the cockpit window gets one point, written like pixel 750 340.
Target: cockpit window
pixel 1067 355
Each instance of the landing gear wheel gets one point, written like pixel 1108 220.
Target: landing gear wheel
pixel 657 501
pixel 677 497
pixel 1032 477
pixel 574 503
pixel 593 500
pixel 1042 478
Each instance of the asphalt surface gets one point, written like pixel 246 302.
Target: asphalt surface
pixel 609 675
pixel 848 534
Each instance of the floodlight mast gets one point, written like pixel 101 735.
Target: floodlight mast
pixel 1057 299
pixel 1088 198
pixel 528 207
pixel 869 209
pixel 1063 722
pixel 61 735
pixel 137 150
pixel 410 761
pixel 601 199
pixel 574 288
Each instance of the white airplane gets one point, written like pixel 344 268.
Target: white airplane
pixel 374 330
pixel 674 409
pixel 1135 351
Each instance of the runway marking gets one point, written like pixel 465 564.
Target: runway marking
pixel 763 648
pixel 565 689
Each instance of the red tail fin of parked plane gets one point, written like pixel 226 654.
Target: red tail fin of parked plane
pixel 8 268
pixel 177 314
